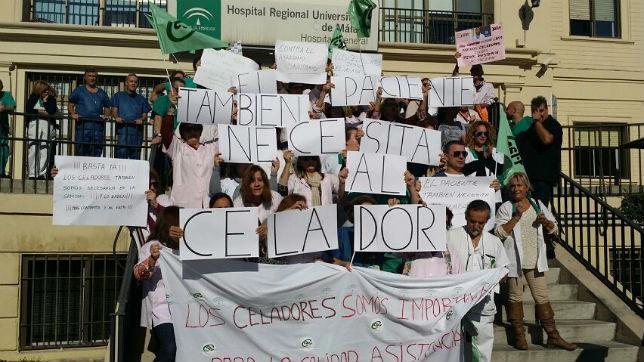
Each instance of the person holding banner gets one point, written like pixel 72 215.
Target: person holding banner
pixel 471 248
pixel 255 191
pixel 455 155
pixel 155 312
pixel 480 140
pixel 522 224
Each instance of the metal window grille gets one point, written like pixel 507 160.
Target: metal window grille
pixel 67 299
pixel 626 265
pixel 597 152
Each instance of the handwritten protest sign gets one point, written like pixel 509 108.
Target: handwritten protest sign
pixel 296 232
pixel 352 63
pixel 416 144
pixel 317 312
pixel 247 144
pixel 317 137
pixel 218 67
pixel 301 62
pixel 100 191
pixel 219 233
pixel 261 81
pixel 204 106
pixel 456 193
pixel 451 91
pixel 272 110
pixel 353 90
pixel 401 87
pixel 480 45
pixel 402 228
pixel 376 173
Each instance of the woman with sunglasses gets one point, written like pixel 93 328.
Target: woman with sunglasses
pixel 480 140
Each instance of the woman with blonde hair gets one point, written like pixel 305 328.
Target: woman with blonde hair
pixel 479 141
pixel 522 225
pixel 40 128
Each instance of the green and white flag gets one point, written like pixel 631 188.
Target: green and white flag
pixel 175 36
pixel 360 16
pixel 507 146
pixel 337 41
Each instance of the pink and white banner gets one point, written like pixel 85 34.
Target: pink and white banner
pixel 480 45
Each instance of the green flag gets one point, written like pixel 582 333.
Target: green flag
pixel 337 41
pixel 507 146
pixel 175 36
pixel 360 16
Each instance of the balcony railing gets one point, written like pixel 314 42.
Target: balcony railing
pixel 427 26
pixel 118 13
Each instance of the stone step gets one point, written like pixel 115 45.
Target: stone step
pixel 552 275
pixel 570 309
pixel 586 352
pixel 570 330
pixel 556 292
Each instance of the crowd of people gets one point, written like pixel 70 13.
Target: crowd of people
pixel 195 174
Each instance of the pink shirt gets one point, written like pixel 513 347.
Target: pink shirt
pixel 191 173
pixel 154 307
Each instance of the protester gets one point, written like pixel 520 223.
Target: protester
pixel 220 200
pixel 130 110
pixel 431 263
pixel 471 248
pixel 540 149
pixel 450 128
pixel 89 106
pixel 7 104
pixel 518 123
pixel 41 128
pixel 480 140
pixel 522 224
pixel 155 311
pixel 298 202
pixel 255 191
pixel 230 184
pixel 158 89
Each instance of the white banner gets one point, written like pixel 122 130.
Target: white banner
pixel 204 106
pixel 272 110
pixel 451 92
pixel 416 144
pixel 456 193
pixel 218 67
pixel 225 233
pixel 317 137
pixel 480 45
pixel 352 63
pixel 353 90
pixel 376 173
pixel 295 232
pixel 401 87
pixel 100 191
pixel 402 228
pixel 261 81
pixel 237 311
pixel 247 144
pixel 301 62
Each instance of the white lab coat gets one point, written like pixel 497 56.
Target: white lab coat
pixel 512 241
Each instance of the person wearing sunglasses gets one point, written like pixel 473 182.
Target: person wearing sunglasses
pixel 471 248
pixel 455 154
pixel 480 140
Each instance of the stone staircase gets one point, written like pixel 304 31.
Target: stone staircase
pixel 576 323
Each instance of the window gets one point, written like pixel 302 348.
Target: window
pixel 66 300
pixel 596 150
pixel 625 262
pixel 594 18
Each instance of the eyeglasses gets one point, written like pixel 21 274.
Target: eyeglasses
pixel 459 153
pixel 479 134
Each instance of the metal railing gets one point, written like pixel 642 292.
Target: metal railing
pixel 427 26
pixel 118 13
pixel 602 239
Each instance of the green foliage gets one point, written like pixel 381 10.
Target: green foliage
pixel 633 207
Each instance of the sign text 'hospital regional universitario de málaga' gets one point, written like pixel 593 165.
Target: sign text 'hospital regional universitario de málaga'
pixel 259 22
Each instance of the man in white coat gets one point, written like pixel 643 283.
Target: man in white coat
pixel 471 248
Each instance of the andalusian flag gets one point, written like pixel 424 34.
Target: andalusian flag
pixel 337 41
pixel 360 16
pixel 175 36
pixel 507 146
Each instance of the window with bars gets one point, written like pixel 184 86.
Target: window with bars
pixel 595 18
pixel 625 262
pixel 120 13
pixel 596 150
pixel 67 299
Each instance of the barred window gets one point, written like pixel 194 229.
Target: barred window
pixel 67 299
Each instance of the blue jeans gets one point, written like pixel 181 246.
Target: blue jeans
pixel 129 135
pixel 90 138
pixel 165 343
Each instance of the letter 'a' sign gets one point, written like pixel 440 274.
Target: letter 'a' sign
pixel 402 228
pixel 295 232
pixel 219 233
pixel 376 173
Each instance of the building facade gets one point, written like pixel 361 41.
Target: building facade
pixel 585 56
